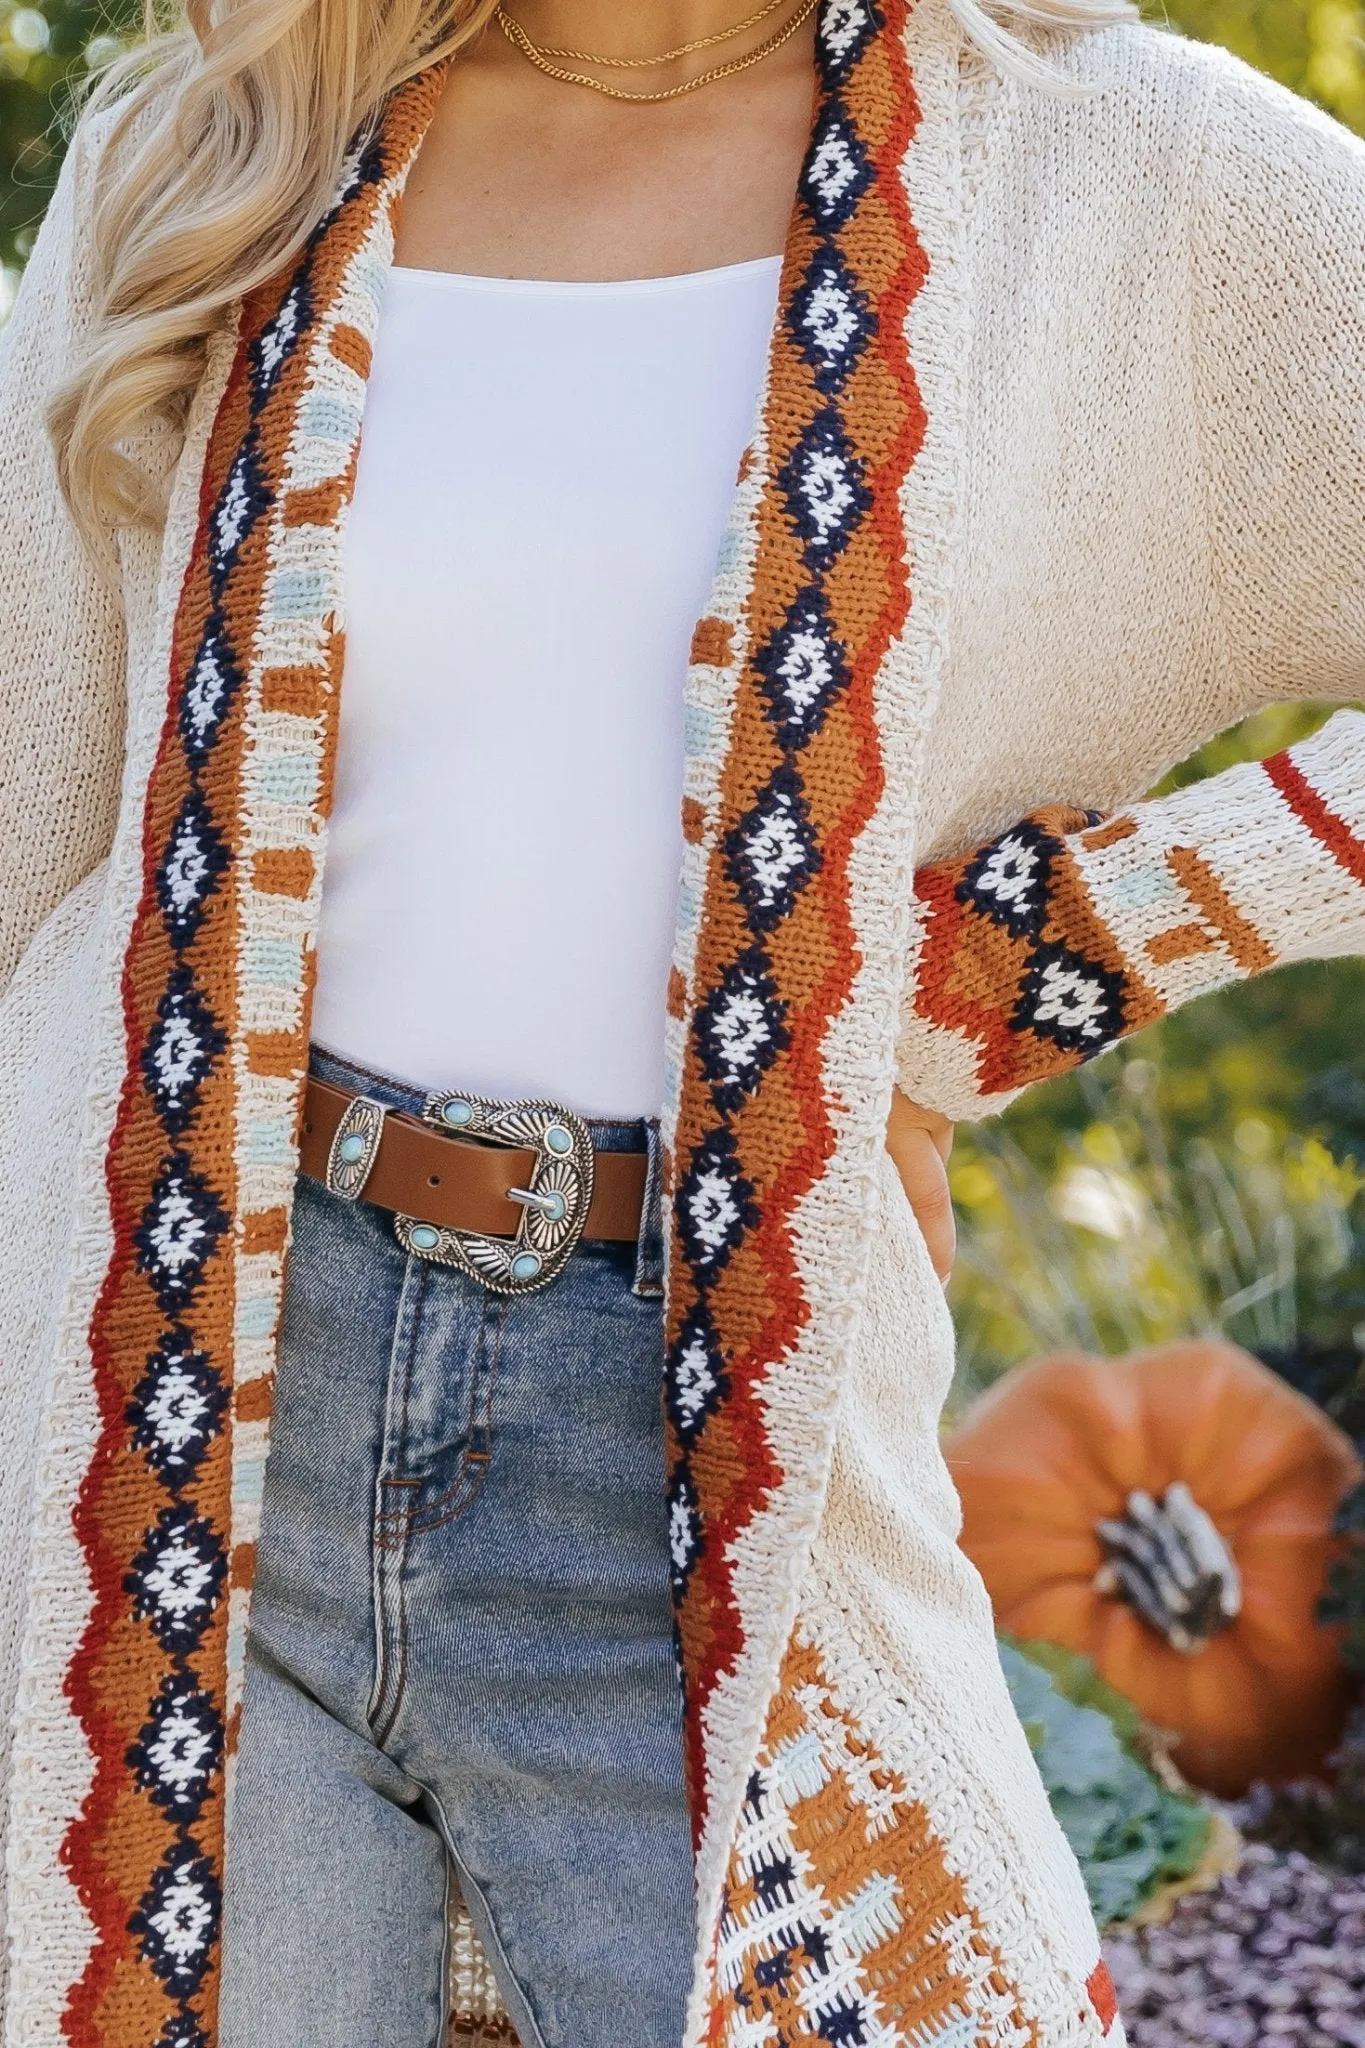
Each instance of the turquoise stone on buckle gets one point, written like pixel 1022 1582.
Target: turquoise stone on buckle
pixel 554 1207
pixel 355 1147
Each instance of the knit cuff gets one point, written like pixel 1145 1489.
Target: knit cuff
pixel 1070 931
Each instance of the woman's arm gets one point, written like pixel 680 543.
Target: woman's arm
pixel 61 620
pixel 1068 932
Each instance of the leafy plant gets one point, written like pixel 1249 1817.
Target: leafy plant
pixel 1131 1832
pixel 1115 1229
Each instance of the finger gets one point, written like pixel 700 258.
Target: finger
pixel 907 1115
pixel 924 1178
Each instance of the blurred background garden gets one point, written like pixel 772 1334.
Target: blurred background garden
pixel 1202 1187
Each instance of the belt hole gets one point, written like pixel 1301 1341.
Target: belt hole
pixel 433 1180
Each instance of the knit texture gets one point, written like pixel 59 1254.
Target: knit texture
pixel 1046 946
pixel 1004 537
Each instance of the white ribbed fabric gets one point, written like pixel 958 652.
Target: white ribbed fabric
pixel 545 475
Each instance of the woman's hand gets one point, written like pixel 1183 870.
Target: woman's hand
pixel 919 1141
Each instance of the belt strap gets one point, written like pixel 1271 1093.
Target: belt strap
pixel 422 1173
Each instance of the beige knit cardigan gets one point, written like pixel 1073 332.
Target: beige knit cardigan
pixel 1059 466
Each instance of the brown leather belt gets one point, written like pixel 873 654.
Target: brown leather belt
pixel 422 1173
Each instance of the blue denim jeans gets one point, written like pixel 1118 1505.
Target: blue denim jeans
pixel 461 1658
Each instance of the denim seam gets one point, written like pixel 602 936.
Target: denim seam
pixel 531 2037
pixel 465 1490
pixel 418 1522
pixel 447 1956
pixel 396 1664
pixel 389 1555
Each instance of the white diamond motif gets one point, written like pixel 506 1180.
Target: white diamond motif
pixel 1010 873
pixel 827 490
pixel 1072 1001
pixel 775 851
pixel 694 1382
pixel 830 317
pixel 183 1917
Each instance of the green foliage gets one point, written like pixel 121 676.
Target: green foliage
pixel 1312 45
pixel 47 50
pixel 1130 1833
pixel 1107 1221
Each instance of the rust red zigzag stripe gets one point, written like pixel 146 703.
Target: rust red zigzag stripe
pixel 1310 809
pixel 120 1840
pixel 772 1247
pixel 90 1850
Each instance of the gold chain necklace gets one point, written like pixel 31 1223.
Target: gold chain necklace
pixel 723 35
pixel 517 36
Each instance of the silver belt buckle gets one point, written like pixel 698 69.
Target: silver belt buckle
pixel 554 1207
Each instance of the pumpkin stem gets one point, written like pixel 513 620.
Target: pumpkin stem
pixel 1168 1561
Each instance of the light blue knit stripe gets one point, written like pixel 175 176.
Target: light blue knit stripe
pixel 274 963
pixel 285 778
pixel 300 594
pixel 255 1318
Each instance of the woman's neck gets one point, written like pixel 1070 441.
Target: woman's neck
pixel 625 28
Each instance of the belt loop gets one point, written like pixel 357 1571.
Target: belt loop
pixel 649 1246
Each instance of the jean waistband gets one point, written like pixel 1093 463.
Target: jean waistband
pixel 608 1134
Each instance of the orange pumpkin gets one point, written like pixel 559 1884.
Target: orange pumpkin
pixel 1198 1603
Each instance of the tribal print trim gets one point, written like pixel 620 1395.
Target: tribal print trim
pixel 201 1161
pixel 784 772
pixel 1068 932
pixel 843 1922
pixel 1016 959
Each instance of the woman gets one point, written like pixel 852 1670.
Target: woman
pixel 1039 350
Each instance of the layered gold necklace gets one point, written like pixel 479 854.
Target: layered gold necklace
pixel 543 55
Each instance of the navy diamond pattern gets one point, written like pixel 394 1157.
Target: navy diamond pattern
pixel 684 1529
pixel 180 1749
pixel 177 1409
pixel 195 860
pixel 240 504
pixel 843 2024
pixel 830 319
pixel 1009 880
pixel 740 1029
pixel 715 1204
pixel 803 669
pixel 181 1048
pixel 823 484
pixel 183 2031
pixel 276 342
pixel 846 27
pixel 177 1576
pixel 696 1383
pixel 771 853
pixel 209 690
pixel 180 1228
pixel 177 1921
pixel 837 170
pixel 1077 1003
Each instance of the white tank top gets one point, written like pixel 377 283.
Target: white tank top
pixel 544 478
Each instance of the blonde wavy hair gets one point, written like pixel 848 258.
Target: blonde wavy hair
pixel 227 128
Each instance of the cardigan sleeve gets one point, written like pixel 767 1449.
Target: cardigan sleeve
pixel 62 654
pixel 1069 931
pixel 1045 947
pixel 1277 346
